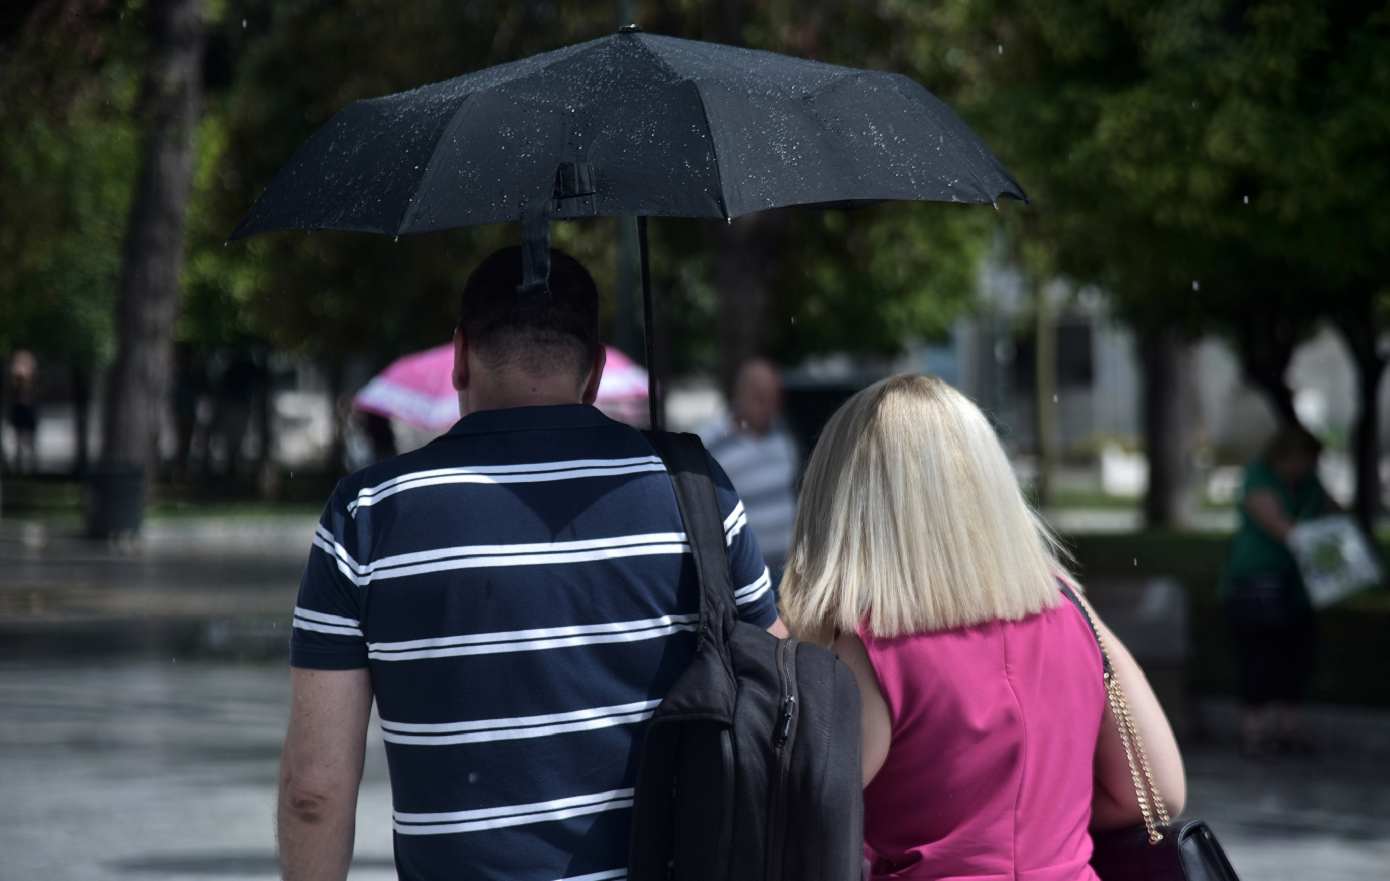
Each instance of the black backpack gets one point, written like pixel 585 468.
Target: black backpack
pixel 751 766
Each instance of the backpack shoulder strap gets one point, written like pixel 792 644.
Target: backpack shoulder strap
pixel 652 843
pixel 684 457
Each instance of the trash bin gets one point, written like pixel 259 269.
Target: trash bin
pixel 115 500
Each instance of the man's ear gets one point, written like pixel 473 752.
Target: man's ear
pixel 595 376
pixel 460 374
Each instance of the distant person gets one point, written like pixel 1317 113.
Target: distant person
pixel 515 597
pixel 24 408
pixel 752 445
pixel 989 750
pixel 383 436
pixel 1272 624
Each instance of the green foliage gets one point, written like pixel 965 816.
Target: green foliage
pixel 874 279
pixel 68 163
pixel 1237 146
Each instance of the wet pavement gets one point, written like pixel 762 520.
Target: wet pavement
pixel 153 770
pixel 145 770
pixel 144 693
pixel 194 587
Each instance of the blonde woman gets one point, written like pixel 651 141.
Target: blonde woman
pixel 989 751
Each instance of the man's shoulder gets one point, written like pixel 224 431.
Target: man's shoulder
pixel 489 452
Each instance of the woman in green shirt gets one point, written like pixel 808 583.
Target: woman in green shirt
pixel 1271 620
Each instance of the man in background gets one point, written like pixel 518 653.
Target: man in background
pixel 753 447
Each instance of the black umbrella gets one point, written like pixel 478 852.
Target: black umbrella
pixel 630 124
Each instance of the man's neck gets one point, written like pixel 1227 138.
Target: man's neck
pixel 519 391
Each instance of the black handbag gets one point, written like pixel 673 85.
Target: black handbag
pixel 1187 849
pixel 1159 849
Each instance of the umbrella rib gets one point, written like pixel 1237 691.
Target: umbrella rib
pixel 714 148
pixel 427 179
pixel 704 115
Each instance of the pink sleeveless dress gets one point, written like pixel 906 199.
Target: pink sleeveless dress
pixel 989 771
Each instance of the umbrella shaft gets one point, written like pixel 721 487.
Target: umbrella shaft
pixel 653 390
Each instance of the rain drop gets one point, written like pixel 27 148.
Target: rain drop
pixel 243 23
pixel 1001 48
pixel 1247 200
pixel 1196 286
pixel 396 239
pixel 1054 399
pixel 1136 561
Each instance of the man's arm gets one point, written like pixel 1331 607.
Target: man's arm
pixel 320 771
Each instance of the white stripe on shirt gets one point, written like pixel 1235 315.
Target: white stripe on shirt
pixel 532 640
pixel 326 628
pixel 478 556
pixel 482 730
pixel 612 875
pixel 750 592
pixel 531 472
pixel 511 815
pixel 325 618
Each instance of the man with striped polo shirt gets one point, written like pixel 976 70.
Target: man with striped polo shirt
pixel 517 597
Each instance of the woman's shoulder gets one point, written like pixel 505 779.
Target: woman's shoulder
pixel 1259 475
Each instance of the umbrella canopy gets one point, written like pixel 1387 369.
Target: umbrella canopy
pixel 630 124
pixel 418 390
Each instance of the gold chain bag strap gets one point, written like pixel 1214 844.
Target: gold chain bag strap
pixel 1160 850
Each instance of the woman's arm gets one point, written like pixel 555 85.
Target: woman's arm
pixel 1114 804
pixel 1268 514
pixel 878 721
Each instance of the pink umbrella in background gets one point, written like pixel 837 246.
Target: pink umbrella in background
pixel 418 390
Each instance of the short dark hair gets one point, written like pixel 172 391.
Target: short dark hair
pixel 1291 440
pixel 558 335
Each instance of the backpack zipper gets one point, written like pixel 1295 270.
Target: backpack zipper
pixel 783 738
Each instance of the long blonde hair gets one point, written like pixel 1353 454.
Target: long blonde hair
pixel 911 520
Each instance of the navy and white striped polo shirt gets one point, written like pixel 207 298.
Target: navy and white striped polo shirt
pixel 523 593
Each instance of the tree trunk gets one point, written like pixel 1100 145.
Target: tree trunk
pixel 723 22
pixel 1359 328
pixel 1045 375
pixel 1167 418
pixel 267 480
pixel 81 403
pixel 747 252
pixel 138 387
pixel 1266 343
pixel 627 317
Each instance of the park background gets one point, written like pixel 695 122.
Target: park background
pixel 1204 258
